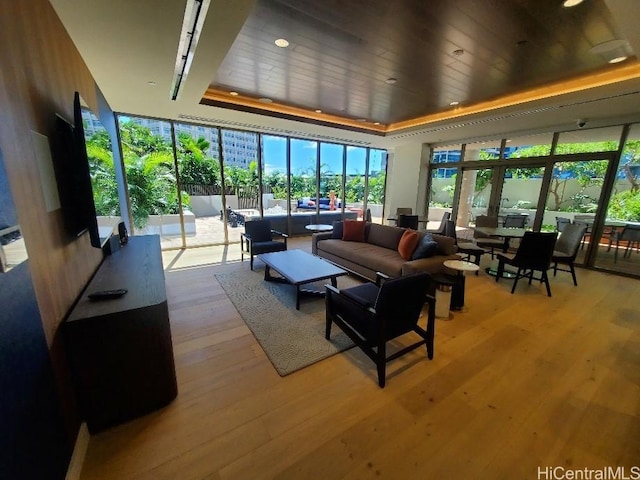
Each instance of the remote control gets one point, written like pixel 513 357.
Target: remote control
pixel 106 294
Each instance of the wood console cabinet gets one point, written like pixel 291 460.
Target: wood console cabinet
pixel 120 350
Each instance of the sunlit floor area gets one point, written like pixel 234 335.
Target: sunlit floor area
pixel 518 382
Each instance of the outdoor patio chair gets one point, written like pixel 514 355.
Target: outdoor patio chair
pixel 629 234
pixel 515 221
pixel 373 314
pixel 258 238
pixel 562 222
pixel 567 248
pixel 534 254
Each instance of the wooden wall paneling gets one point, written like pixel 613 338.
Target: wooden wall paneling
pixel 39 75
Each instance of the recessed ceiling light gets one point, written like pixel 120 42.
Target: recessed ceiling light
pixel 619 59
pixel 390 81
pixel 265 100
pixel 151 83
pixel 234 94
pixel 318 111
pixel 376 123
pixel 571 3
pixel 454 103
pixel 282 43
pixel 458 52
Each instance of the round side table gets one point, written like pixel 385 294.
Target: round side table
pixel 457 295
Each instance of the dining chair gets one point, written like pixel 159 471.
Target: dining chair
pixel 443 224
pixel 468 250
pixel 407 221
pixel 488 242
pixel 567 248
pixel 533 255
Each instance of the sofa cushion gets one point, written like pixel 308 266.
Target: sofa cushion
pixel 377 259
pixel 427 247
pixel 408 243
pixel 353 231
pixel 337 229
pixel 385 235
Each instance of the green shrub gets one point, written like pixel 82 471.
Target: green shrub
pixel 625 206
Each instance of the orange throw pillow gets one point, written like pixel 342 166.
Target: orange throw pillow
pixel 353 230
pixel 408 244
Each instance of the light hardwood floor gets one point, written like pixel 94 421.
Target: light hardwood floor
pixel 517 382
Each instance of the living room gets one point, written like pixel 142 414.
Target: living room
pixel 517 381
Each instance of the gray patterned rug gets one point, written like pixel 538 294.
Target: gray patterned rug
pixel 292 339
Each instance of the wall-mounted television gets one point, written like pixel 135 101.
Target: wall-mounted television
pixel 71 166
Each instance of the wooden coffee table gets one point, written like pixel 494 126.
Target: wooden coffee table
pixel 299 268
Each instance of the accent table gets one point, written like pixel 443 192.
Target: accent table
pixel 457 295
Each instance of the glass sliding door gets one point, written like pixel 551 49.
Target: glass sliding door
pixel 303 183
pixel 274 176
pixel 240 173
pixel 151 180
pixel 356 177
pixel 443 183
pixel 475 194
pixel 574 194
pixel 200 179
pixel 331 176
pixel 622 223
pixel 520 194
pixel 377 177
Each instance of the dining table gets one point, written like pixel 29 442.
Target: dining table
pixel 501 232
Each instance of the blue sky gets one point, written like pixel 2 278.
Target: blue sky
pixel 303 156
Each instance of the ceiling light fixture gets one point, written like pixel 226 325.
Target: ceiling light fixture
pixel 265 100
pixel 571 3
pixel 194 14
pixel 613 51
pixel 318 111
pixel 234 94
pixel 390 81
pixel 458 52
pixel 282 43
pixel 151 83
pixel 454 103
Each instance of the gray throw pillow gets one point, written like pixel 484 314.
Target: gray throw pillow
pixel 427 247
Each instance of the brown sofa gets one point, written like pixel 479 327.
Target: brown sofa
pixel 379 253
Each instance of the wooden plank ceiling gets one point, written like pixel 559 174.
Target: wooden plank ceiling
pixel 341 54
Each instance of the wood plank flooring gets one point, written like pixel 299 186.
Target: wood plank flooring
pixel 517 382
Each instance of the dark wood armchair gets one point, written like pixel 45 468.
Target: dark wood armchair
pixel 533 255
pixel 258 237
pixel 372 314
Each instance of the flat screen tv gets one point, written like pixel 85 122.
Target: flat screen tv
pixel 73 178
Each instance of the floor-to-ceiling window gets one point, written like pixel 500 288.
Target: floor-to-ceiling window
pixel 376 184
pixel 201 179
pixel 151 180
pixel 274 175
pixel 356 177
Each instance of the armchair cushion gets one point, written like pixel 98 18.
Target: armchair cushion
pixel 353 231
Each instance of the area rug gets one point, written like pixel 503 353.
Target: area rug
pixel 292 339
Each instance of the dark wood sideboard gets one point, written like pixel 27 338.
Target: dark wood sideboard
pixel 120 350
